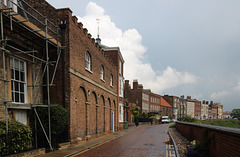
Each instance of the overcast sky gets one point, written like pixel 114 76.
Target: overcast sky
pixel 172 47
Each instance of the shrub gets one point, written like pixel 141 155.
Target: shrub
pixel 187 119
pixel 18 138
pixel 59 123
pixel 197 149
pixel 226 123
pixel 172 125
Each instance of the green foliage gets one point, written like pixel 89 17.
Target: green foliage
pixel 197 149
pixel 17 139
pixel 59 118
pixel 226 123
pixel 172 125
pixel 135 111
pixel 187 119
pixel 236 113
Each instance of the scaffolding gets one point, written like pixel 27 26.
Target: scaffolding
pixel 19 13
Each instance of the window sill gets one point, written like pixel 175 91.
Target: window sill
pixel 111 86
pixel 88 70
pixel 102 80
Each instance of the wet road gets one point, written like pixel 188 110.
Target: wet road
pixel 144 141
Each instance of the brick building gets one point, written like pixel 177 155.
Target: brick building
pixel 27 39
pixel 155 105
pixel 175 103
pixel 166 108
pixel 115 57
pixel 154 100
pixel 183 106
pixel 88 78
pixel 197 110
pixel 212 111
pixel 137 95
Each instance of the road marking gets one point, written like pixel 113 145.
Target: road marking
pixel 90 148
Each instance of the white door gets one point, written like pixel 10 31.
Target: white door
pixel 113 121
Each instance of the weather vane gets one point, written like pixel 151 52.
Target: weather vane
pixel 98 21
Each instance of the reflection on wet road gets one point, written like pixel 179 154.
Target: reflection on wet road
pixel 144 141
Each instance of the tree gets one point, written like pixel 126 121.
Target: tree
pixel 236 113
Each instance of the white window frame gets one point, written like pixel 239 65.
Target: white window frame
pixel 102 73
pixel 88 61
pixel 120 67
pixel 18 85
pixel 111 80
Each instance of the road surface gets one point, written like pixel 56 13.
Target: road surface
pixel 144 141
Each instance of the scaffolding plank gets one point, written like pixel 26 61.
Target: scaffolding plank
pixel 35 28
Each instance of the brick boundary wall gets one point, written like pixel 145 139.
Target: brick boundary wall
pixel 222 141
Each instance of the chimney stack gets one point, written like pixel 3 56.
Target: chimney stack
pixel 135 84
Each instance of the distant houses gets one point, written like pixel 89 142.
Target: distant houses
pixel 172 106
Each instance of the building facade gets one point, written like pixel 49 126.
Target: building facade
pixel 175 103
pixel 197 110
pixel 137 95
pixel 26 43
pixel 183 107
pixel 204 110
pixel 155 103
pixel 190 107
pixel 166 108
pixel 115 57
pixel 88 79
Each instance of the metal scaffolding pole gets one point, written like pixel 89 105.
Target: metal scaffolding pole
pixel 6 12
pixel 48 90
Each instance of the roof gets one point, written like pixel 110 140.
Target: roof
pixel 164 103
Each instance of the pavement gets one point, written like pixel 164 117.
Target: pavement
pixel 83 146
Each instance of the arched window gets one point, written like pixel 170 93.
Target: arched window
pixel 102 73
pixel 111 80
pixel 88 61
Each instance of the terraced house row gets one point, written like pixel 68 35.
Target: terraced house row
pixel 173 106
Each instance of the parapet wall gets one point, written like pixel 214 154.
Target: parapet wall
pixel 222 141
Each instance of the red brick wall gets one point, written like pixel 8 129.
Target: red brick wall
pixel 222 142
pixel 90 100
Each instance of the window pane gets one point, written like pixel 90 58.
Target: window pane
pixel 16 97
pixel 87 61
pixel 12 85
pixel 13 97
pixel 11 62
pixel 16 86
pixel 16 75
pixel 21 66
pixel 12 74
pixel 16 64
pixel 22 97
pixel 21 87
pixel 22 76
